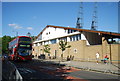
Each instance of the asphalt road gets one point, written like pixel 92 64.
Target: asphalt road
pixel 41 70
pixel 34 70
pixel 94 76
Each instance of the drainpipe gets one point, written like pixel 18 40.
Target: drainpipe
pixel 110 55
pixel 110 51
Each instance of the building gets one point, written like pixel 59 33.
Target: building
pixel 84 43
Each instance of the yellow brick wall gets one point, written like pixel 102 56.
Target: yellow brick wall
pixel 84 52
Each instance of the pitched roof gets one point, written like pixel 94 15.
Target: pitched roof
pixel 83 30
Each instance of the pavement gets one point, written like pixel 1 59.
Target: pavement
pixel 91 66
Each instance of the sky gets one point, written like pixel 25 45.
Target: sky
pixel 33 17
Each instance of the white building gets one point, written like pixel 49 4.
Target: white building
pixel 52 34
pixel 84 43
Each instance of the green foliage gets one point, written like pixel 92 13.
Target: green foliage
pixel 33 38
pixel 5 43
pixel 63 45
pixel 47 48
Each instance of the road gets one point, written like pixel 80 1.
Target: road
pixel 37 69
pixel 91 76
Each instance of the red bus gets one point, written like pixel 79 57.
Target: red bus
pixel 20 48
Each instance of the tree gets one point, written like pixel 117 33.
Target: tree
pixel 63 45
pixel 5 43
pixel 33 38
pixel 47 48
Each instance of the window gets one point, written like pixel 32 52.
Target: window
pixel 70 38
pixel 63 39
pixel 75 37
pixel 40 43
pixel 24 39
pixel 72 31
pixel 53 41
pixel 78 37
pixel 75 30
pixel 69 31
pixel 46 33
pixel 46 42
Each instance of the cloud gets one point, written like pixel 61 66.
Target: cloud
pixel 15 26
pixel 29 28
pixel 11 24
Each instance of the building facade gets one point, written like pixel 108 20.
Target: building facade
pixel 84 43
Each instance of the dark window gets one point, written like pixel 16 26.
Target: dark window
pixel 75 30
pixel 77 37
pixel 63 39
pixel 72 31
pixel 24 39
pixel 53 41
pixel 69 31
pixel 74 38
